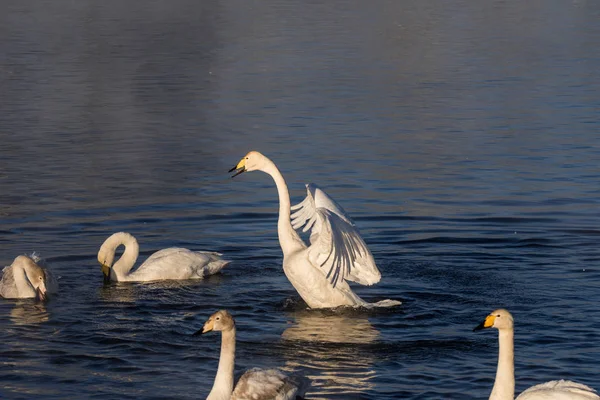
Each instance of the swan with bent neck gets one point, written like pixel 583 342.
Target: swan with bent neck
pixel 256 383
pixel 337 252
pixel 24 278
pixel 504 385
pixel 172 263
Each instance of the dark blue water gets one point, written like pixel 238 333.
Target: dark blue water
pixel 462 137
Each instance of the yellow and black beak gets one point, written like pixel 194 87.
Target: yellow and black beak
pixel 106 273
pixel 239 168
pixel 208 326
pixel 487 323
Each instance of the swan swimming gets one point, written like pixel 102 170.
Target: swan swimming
pixel 504 386
pixel 171 263
pixel 256 383
pixel 24 278
pixel 337 252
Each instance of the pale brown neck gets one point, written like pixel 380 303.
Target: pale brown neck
pixel 223 385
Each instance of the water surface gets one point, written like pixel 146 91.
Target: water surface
pixel 462 137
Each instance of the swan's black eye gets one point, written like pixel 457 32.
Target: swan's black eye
pixel 218 318
pixel 498 315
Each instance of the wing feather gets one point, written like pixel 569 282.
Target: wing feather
pixel 269 384
pixel 179 263
pixel 336 245
pixel 561 389
pixel 8 287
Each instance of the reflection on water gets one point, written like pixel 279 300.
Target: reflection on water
pixel 332 348
pixel 461 136
pixel 130 292
pixel 118 293
pixel 315 326
pixel 28 313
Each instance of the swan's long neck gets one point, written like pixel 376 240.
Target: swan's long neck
pixel 22 282
pixel 288 237
pixel 223 386
pixel 122 267
pixel 504 386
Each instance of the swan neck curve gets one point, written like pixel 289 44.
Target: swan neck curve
pixel 223 386
pixel 504 386
pixel 125 263
pixel 22 281
pixel 288 237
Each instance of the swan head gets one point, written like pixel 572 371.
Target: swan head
pixel 35 274
pixel 106 254
pixel 499 319
pixel 219 321
pixel 252 161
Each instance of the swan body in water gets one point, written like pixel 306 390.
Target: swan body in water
pixel 337 252
pixel 254 384
pixel 24 278
pixel 171 263
pixel 504 386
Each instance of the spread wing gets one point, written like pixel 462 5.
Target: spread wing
pixel 336 245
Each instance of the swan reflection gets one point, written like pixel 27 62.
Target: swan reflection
pixel 131 292
pixel 333 349
pixel 28 312
pixel 119 293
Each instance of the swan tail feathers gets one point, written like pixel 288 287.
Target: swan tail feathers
pixel 383 304
pixel 215 263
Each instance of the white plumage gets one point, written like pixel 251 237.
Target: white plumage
pixel 504 385
pixel 337 253
pixel 559 390
pixel 336 245
pixel 172 263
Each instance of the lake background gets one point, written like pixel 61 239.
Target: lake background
pixel 462 137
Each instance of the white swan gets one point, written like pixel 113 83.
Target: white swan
pixel 256 383
pixel 337 252
pixel 171 263
pixel 504 386
pixel 24 278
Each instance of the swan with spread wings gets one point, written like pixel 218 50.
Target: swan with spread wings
pixel 337 253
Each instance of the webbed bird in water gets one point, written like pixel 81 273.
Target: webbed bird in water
pixel 25 278
pixel 504 385
pixel 337 253
pixel 172 263
pixel 256 383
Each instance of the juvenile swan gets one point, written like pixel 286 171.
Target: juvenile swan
pixel 337 252
pixel 171 263
pixel 256 383
pixel 24 279
pixel 504 386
